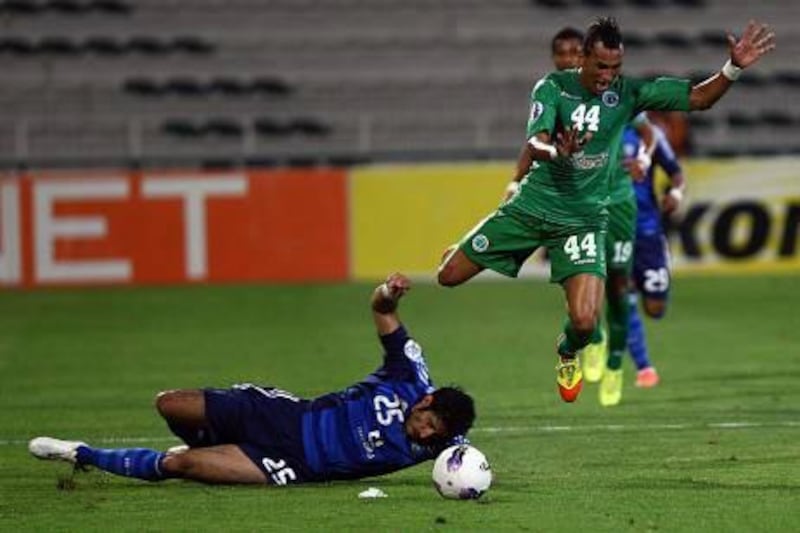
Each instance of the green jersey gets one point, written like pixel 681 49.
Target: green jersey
pixel 576 189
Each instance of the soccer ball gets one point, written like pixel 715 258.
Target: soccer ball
pixel 462 472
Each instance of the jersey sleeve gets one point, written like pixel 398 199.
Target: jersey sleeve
pixel 403 359
pixel 665 94
pixel 544 103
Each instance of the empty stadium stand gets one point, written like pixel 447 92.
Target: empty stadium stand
pixel 184 81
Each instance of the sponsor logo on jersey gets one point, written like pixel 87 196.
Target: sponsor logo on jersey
pixel 480 243
pixel 537 108
pixel 582 161
pixel 413 350
pixel 610 99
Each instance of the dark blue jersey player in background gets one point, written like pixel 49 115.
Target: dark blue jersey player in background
pixel 650 252
pixel 393 419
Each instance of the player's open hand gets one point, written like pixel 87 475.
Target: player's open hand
pixel 397 285
pixel 571 141
pixel 756 41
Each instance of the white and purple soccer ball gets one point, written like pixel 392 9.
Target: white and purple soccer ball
pixel 462 472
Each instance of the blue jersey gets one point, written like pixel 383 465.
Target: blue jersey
pixel 648 221
pixel 360 431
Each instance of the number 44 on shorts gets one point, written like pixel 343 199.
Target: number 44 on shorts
pixel 578 249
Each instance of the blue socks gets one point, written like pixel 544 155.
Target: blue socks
pixel 129 462
pixel 637 341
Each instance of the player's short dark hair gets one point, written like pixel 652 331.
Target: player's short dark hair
pixel 566 34
pixel 455 408
pixel 603 30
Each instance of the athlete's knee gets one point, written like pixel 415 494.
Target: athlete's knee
pixel 583 321
pixel 447 276
pixel 456 269
pixel 655 308
pixel 177 403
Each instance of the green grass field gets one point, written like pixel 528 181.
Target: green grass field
pixel 716 447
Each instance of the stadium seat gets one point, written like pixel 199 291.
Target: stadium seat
pixel 185 87
pixel 690 3
pixel 21 7
pixel 63 46
pixel 739 119
pixel 270 86
pixel 673 39
pixel 309 126
pixel 645 3
pixel 551 4
pixel 269 127
pixel 17 46
pixel 182 128
pixel 701 121
pixel 787 77
pixel 713 38
pixel 224 127
pixel 67 7
pixel 145 44
pixel 777 119
pixel 104 46
pixel 142 86
pixel 229 86
pixel 191 44
pixel 111 7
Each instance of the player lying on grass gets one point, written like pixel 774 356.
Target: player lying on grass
pixel 393 419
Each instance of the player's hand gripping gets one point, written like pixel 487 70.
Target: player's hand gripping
pixel 756 41
pixel 571 141
pixel 395 286
pixel 671 202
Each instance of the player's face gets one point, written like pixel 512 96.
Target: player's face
pixel 567 54
pixel 601 67
pixel 422 423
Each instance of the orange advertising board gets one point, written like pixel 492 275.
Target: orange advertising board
pixel 115 227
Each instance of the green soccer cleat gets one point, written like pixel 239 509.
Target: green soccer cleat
pixel 611 387
pixel 594 360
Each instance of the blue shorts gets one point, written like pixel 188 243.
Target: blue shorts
pixel 265 423
pixel 651 266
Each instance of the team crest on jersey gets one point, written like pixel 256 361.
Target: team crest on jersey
pixel 537 108
pixel 480 242
pixel 412 350
pixel 610 99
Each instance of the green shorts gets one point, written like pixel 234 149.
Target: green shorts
pixel 621 235
pixel 503 241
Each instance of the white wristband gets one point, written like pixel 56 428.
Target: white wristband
pixel 385 292
pixel 731 71
pixel 644 160
pixel 512 187
pixel 677 193
pixel 544 147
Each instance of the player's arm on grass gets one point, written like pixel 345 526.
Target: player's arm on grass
pixel 756 41
pixel 385 298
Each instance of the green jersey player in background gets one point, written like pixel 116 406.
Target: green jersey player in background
pixel 574 133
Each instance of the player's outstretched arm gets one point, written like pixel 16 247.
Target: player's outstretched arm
pixel 385 298
pixel 756 41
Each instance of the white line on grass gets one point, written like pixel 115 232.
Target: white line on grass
pixel 503 429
